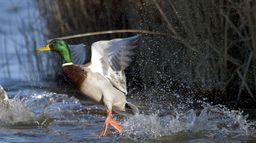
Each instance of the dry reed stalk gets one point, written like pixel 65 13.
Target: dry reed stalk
pixel 6 58
pixel 112 32
pixel 243 78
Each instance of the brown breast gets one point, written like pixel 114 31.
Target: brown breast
pixel 76 74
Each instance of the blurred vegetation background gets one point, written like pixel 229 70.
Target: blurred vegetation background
pixel 211 53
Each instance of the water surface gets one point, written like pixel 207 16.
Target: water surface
pixel 51 114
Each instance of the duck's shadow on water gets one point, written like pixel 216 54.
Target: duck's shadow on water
pixel 36 115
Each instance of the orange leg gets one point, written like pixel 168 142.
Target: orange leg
pixel 112 122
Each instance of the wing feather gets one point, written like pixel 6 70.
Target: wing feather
pixel 111 58
pixel 80 53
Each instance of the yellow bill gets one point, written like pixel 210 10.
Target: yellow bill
pixel 44 48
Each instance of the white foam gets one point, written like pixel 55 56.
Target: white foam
pixel 211 121
pixel 13 113
pixel 35 108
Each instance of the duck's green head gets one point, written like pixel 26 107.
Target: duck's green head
pixel 59 46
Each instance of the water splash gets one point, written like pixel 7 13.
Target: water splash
pixel 35 109
pixel 215 121
pixel 51 104
pixel 14 113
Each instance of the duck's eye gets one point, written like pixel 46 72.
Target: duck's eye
pixel 50 46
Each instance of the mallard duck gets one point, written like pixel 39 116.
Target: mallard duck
pixel 102 78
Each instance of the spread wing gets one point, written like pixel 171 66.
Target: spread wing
pixel 80 54
pixel 110 58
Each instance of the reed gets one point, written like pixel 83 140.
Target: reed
pixel 19 59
